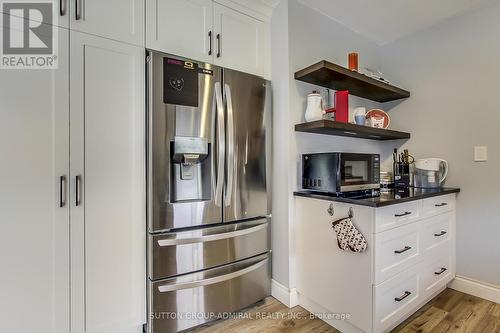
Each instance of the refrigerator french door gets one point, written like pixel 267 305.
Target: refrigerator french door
pixel 209 206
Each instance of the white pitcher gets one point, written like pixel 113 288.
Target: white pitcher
pixel 315 108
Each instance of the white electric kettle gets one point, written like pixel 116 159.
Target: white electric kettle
pixel 430 172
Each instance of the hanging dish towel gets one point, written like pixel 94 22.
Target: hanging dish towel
pixel 348 237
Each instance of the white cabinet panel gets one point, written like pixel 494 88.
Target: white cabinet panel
pixel 396 298
pixel 335 279
pixel 239 41
pixel 436 274
pixel 181 27
pixel 436 232
pixel 121 20
pixel 34 241
pixel 396 215
pixel 108 225
pixel 396 250
pixel 440 204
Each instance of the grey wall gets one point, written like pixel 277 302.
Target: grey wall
pixel 300 37
pixel 452 72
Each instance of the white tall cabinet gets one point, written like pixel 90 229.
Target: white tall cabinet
pixel 107 196
pixel 73 251
pixel 34 229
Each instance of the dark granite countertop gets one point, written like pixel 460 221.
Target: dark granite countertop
pixel 385 199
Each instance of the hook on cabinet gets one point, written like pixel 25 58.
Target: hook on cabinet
pixel 350 215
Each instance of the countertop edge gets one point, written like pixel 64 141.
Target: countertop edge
pixel 315 195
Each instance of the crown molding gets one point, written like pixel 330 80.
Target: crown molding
pixel 260 9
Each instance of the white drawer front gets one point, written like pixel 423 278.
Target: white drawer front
pixel 395 299
pixel 437 205
pixel 436 275
pixel 436 232
pixel 395 215
pixel 396 250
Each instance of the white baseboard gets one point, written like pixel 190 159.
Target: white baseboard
pixel 284 294
pixel 476 288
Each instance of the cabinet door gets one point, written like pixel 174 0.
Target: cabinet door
pixel 121 20
pixel 34 241
pixel 181 27
pixel 239 41
pixel 108 219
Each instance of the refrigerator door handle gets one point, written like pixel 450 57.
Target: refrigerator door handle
pixel 194 284
pixel 214 237
pixel 231 158
pixel 220 150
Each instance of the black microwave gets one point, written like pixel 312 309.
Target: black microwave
pixel 340 172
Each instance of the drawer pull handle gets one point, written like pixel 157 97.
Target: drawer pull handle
pixel 441 204
pixel 399 299
pixel 441 271
pixel 403 250
pixel 440 234
pixel 404 214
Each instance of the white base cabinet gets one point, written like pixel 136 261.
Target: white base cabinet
pixel 410 258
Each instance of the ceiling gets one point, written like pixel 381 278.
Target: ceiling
pixel 384 21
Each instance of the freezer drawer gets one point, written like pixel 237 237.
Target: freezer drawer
pixel 183 302
pixel 189 251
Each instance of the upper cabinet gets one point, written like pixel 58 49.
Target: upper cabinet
pixel 239 41
pixel 181 27
pixel 205 30
pixel 121 20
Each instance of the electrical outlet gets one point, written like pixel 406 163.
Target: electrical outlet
pixel 480 154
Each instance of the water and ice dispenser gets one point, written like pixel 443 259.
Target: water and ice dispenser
pixel 191 169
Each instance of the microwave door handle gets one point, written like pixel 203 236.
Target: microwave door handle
pixel 231 158
pixel 221 145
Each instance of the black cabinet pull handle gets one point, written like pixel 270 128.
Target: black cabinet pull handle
pixel 78 180
pixel 403 250
pixel 441 271
pixel 62 10
pixel 218 45
pixel 77 10
pixel 62 191
pixel 441 204
pixel 399 299
pixel 210 42
pixel 403 214
pixel 440 234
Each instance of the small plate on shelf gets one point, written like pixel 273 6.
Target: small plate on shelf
pixel 378 113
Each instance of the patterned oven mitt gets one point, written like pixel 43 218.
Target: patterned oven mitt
pixel 348 237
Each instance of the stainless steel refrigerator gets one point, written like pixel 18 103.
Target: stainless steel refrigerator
pixel 209 206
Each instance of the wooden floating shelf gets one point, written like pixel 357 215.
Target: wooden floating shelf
pixel 330 75
pixel 330 127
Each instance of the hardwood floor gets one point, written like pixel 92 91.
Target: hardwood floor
pixel 450 311
pixel 453 311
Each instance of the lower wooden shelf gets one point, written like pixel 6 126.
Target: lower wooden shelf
pixel 329 127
